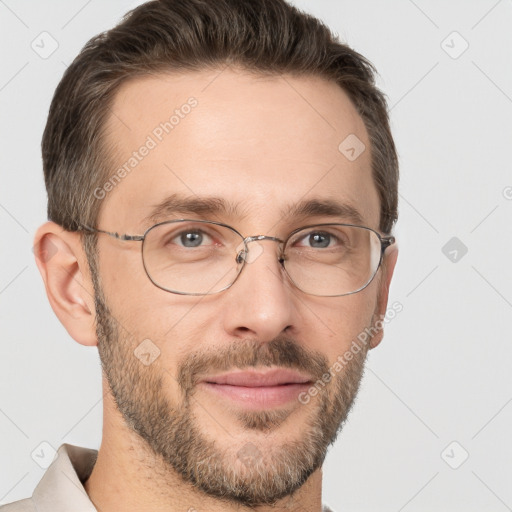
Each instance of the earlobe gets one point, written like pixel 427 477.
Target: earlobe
pixel 387 269
pixel 63 266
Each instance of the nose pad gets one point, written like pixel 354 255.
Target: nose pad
pixel 241 256
pixel 248 254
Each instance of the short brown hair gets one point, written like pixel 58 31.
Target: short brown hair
pixel 265 36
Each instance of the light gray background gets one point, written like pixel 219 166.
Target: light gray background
pixel 442 373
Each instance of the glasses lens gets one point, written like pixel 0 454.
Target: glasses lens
pixel 191 257
pixel 331 260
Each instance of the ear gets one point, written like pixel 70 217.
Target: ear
pixel 387 268
pixel 63 265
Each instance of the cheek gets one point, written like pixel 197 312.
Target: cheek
pixel 334 325
pixel 145 311
pixel 133 299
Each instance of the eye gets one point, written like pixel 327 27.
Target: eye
pixel 320 240
pixel 192 238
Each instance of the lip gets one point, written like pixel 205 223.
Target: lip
pixel 258 390
pixel 255 378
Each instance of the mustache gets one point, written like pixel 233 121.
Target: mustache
pixel 281 351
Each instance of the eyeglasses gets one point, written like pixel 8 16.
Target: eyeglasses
pixel 200 257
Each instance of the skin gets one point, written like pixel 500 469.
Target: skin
pixel 262 143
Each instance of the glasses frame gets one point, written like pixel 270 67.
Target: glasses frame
pixel 385 242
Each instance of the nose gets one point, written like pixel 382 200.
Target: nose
pixel 261 303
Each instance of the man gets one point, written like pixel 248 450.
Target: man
pixel 222 185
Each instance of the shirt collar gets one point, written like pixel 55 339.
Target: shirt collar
pixel 62 484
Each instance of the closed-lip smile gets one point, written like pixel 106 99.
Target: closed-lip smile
pixel 258 389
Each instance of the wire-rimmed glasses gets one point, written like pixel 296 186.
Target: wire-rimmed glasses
pixel 201 257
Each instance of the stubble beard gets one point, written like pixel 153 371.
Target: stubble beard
pixel 256 472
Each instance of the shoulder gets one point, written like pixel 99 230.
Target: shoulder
pixel 25 505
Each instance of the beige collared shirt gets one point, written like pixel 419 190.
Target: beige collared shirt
pixel 61 488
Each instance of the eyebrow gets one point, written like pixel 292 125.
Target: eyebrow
pixel 204 206
pixel 324 208
pixel 219 207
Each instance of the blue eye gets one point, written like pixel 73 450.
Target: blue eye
pixel 319 239
pixel 191 238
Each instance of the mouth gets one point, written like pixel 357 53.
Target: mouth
pixel 258 389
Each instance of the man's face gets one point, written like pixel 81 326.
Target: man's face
pixel 264 145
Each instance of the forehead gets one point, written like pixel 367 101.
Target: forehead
pixel 255 142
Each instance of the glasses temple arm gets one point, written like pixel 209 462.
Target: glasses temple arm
pixel 112 234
